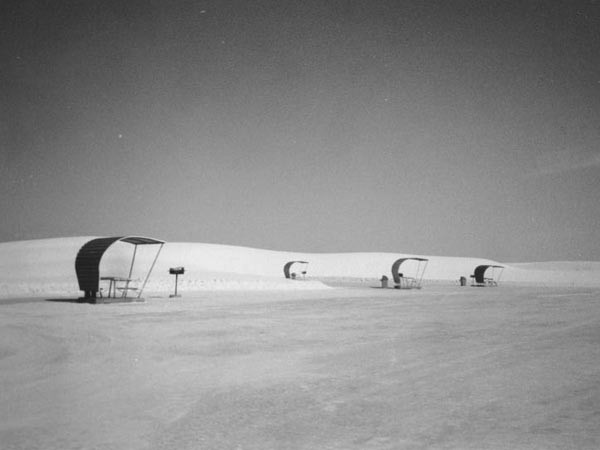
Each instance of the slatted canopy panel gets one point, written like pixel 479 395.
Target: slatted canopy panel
pixel 87 262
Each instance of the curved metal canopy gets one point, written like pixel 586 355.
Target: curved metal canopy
pixel 87 262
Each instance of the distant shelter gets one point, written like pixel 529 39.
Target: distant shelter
pixel 493 272
pixel 412 278
pixel 291 269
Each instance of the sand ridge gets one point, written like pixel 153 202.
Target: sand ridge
pixel 45 267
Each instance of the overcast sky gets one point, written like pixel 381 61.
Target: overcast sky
pixel 462 128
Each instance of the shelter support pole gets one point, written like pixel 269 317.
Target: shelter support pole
pixel 423 272
pixel 130 271
pixel 150 271
pixel 132 261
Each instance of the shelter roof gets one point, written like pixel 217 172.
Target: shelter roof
pixel 140 240
pixel 401 260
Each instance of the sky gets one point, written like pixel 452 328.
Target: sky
pixel 458 128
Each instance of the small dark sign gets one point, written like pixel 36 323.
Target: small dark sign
pixel 176 270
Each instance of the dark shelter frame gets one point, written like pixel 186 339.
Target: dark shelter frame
pixel 87 262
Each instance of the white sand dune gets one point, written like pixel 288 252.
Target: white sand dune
pixel 301 365
pixel 571 266
pixel 46 267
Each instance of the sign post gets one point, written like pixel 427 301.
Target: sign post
pixel 176 271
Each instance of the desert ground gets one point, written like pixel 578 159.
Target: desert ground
pixel 445 367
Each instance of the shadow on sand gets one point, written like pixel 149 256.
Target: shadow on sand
pixel 67 300
pixel 97 300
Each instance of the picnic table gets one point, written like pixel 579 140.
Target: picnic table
pixel 113 285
